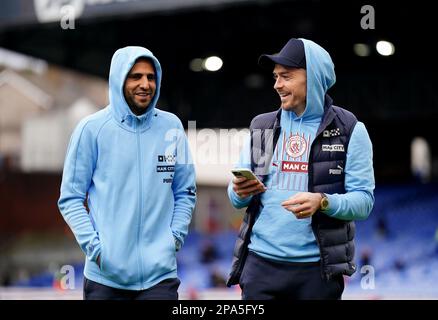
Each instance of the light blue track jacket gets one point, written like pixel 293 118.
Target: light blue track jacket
pixel 138 178
pixel 277 233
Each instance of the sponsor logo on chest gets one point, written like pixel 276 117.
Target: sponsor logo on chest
pixel 333 148
pixel 166 163
pixel 170 158
pixel 336 171
pixel 293 166
pixel 331 133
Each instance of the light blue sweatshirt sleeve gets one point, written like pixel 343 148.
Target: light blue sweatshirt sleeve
pixel 358 202
pixel 78 171
pixel 244 162
pixel 184 189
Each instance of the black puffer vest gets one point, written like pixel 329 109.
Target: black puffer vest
pixel 335 237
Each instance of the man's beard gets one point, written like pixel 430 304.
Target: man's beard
pixel 135 108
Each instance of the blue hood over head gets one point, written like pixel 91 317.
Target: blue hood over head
pixel 122 62
pixel 320 77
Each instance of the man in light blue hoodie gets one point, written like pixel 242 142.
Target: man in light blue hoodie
pixel 128 187
pixel 315 170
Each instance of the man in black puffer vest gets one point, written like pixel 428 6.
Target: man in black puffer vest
pixel 315 170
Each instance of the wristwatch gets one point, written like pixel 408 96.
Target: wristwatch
pixel 324 202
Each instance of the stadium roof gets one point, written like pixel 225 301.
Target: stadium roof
pixel 20 12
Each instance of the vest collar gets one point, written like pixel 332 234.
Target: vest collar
pixel 327 118
pixel 329 114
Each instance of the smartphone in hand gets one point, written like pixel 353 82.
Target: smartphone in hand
pixel 244 172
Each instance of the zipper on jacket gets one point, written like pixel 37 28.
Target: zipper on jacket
pixel 140 189
pixel 315 232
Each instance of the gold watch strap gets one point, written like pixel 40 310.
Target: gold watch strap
pixel 324 198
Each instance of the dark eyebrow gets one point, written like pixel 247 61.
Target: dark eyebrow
pixel 282 73
pixel 141 74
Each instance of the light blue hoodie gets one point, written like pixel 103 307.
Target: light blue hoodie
pixel 140 181
pixel 277 233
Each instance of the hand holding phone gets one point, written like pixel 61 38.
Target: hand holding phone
pixel 244 173
pixel 246 183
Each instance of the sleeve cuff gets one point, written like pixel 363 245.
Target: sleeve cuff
pixel 93 251
pixel 333 205
pixel 178 241
pixel 240 200
pixel 177 244
pixel 237 201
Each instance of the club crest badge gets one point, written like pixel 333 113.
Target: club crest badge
pixel 296 146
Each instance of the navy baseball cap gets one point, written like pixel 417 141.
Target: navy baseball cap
pixel 291 55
